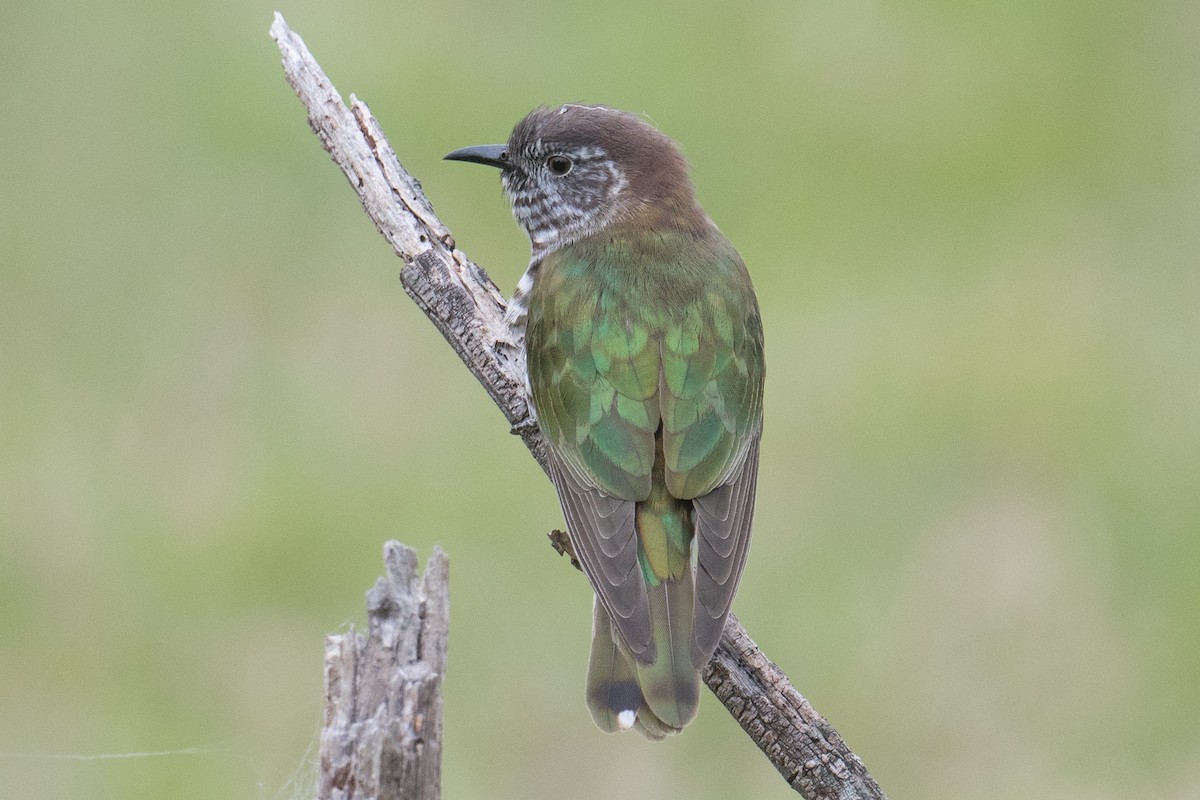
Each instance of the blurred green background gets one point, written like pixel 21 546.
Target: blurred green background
pixel 975 231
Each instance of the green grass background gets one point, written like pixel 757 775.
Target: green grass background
pixel 975 232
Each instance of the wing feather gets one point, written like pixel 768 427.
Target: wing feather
pixel 723 520
pixel 603 534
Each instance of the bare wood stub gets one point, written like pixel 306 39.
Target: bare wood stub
pixel 382 732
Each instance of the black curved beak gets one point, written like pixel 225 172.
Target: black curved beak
pixel 493 155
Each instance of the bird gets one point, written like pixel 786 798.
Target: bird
pixel 643 345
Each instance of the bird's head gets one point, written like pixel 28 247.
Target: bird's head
pixel 571 171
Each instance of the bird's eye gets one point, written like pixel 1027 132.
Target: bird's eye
pixel 559 165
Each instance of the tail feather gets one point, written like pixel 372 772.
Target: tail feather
pixel 671 685
pixel 652 727
pixel 613 694
pixel 658 691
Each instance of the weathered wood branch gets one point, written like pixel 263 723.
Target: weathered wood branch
pixel 382 732
pixel 468 309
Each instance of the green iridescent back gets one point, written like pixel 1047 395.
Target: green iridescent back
pixel 630 329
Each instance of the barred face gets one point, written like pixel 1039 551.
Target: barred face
pixel 572 170
pixel 561 192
